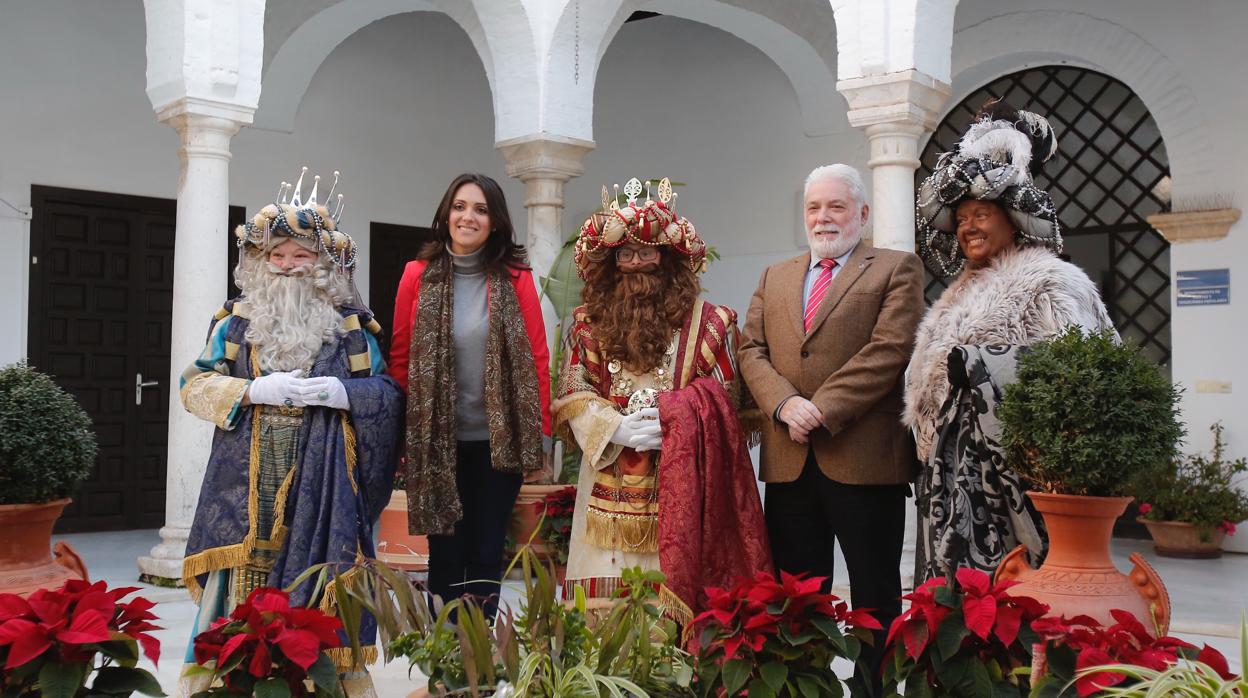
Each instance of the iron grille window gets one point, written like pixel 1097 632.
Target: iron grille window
pixel 1103 179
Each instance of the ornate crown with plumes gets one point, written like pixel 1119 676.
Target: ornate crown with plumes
pixel 291 216
pixel 995 160
pixel 651 222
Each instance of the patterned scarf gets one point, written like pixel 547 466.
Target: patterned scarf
pixel 512 403
pixel 972 509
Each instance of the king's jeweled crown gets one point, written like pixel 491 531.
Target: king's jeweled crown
pixel 290 215
pixel 652 222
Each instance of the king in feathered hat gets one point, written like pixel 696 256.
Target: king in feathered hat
pixel 981 216
pixel 649 371
pixel 307 421
pixel 995 161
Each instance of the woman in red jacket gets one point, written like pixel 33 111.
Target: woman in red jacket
pixel 469 348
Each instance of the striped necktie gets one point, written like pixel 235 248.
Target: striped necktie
pixel 818 291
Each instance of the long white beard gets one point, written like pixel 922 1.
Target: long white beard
pixel 291 317
pixel 831 249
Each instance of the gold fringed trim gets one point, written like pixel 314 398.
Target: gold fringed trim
pixel 279 530
pixel 676 609
pixel 348 440
pixel 573 405
pixel 631 533
pixel 344 662
pixel 329 602
pixel 211 560
pixel 229 556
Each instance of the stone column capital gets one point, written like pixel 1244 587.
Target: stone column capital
pixel 207 113
pixel 205 127
pixel 544 156
pixel 901 102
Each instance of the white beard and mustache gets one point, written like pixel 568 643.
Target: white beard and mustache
pixel 831 249
pixel 292 314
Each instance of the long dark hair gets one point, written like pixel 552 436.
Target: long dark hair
pixel 501 252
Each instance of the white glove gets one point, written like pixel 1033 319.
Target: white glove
pixel 640 430
pixel 276 389
pixel 324 390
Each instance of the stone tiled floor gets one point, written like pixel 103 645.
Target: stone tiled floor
pixel 1209 597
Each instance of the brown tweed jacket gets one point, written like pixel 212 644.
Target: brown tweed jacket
pixel 850 365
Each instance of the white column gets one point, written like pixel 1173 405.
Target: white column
pixel 544 163
pixel 199 286
pixel 895 110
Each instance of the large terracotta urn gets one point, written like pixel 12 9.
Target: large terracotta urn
pixel 28 560
pixel 1078 577
pixel 395 546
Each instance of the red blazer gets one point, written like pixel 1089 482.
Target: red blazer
pixel 408 298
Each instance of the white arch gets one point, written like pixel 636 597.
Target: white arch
pixel 288 75
pixel 1017 40
pixel 812 78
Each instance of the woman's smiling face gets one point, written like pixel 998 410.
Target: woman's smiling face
pixel 984 231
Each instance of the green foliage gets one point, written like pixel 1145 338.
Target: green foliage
pixel 1088 416
pixel 548 649
pixel 1195 489
pixel 47 446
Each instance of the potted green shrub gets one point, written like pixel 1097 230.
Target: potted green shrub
pixel 1191 503
pixel 1087 417
pixel 47 449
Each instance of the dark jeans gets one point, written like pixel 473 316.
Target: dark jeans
pixel 469 561
pixel 805 517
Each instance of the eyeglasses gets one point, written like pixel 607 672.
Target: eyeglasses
pixel 645 254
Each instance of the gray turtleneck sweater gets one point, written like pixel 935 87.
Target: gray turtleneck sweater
pixel 470 326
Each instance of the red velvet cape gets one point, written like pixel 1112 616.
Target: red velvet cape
pixel 711 527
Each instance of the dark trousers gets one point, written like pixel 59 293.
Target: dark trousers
pixel 469 561
pixel 805 517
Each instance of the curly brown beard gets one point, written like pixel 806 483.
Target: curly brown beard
pixel 633 315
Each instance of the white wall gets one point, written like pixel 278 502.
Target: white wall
pixel 399 108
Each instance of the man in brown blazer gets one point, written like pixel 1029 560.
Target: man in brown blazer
pixel 827 338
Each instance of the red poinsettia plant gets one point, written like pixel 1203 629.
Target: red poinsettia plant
pixel 268 647
pixel 1076 648
pixel 53 641
pixel 763 637
pixel 555 511
pixel 962 637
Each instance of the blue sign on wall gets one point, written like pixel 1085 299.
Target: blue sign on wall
pixel 1204 287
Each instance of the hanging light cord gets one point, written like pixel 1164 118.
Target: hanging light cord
pixel 25 215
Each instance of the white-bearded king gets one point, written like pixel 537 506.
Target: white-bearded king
pixel 305 449
pixel 649 391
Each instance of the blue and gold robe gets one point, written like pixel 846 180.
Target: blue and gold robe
pixel 314 502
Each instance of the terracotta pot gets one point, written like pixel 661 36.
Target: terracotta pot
pixel 1078 577
pixel 420 693
pixel 395 546
pixel 28 560
pixel 1182 539
pixel 524 517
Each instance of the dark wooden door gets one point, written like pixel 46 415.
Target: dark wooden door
pixel 391 247
pixel 101 307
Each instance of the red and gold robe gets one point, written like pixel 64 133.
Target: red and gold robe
pixel 617 519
